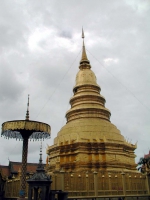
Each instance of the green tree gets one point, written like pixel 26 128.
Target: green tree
pixel 144 165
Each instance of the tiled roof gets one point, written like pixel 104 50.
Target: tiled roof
pixel 147 155
pixel 15 167
pixel 4 170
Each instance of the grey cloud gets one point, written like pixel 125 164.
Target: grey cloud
pixel 10 88
pixel 66 34
pixel 13 24
pixel 118 30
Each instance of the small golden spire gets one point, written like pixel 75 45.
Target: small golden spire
pixel 27 113
pixel 82 33
pixel 84 56
pixel 40 160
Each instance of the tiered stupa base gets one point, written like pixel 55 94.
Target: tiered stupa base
pixel 91 145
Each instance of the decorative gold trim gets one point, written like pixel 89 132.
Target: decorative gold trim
pixel 20 128
pixel 26 125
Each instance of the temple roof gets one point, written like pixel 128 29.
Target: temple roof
pixel 4 170
pixel 15 167
pixel 147 155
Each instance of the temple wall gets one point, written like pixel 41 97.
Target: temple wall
pixel 91 184
pixel 101 183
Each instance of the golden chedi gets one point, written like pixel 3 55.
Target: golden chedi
pixel 89 141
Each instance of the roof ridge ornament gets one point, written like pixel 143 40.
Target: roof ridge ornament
pixel 27 113
pixel 84 58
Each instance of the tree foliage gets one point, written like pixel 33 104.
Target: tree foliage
pixel 144 165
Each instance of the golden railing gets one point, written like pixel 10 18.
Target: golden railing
pixel 91 184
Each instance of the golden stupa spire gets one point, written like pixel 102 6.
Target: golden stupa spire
pixel 27 113
pixel 84 56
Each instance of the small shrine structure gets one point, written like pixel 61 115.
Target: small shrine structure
pixel 39 182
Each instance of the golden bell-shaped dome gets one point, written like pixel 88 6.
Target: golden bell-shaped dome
pixel 84 77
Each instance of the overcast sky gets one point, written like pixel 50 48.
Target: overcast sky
pixel 40 50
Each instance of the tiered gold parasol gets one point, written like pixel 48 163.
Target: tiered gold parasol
pixel 24 130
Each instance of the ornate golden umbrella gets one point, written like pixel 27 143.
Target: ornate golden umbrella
pixel 24 130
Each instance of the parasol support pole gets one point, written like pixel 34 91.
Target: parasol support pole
pixel 22 192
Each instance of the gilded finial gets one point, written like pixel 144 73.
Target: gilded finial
pixel 40 160
pixel 84 56
pixel 40 165
pixel 27 113
pixel 82 33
